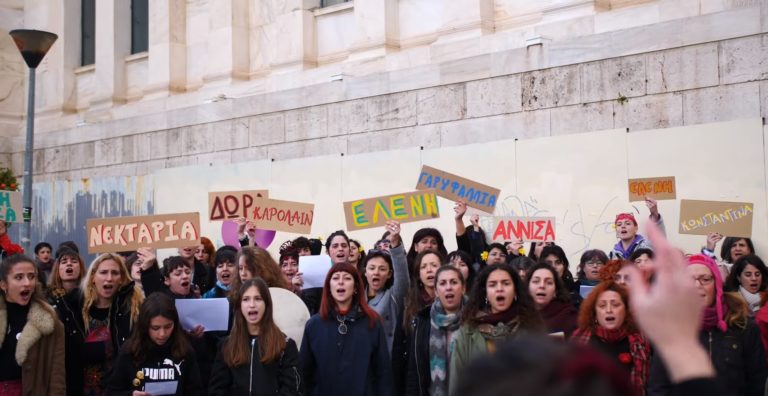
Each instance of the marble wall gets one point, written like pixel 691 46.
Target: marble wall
pixel 238 80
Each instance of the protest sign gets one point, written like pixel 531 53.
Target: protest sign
pixel 117 234
pixel 224 205
pixel 727 218
pixel 658 188
pixel 277 215
pixel 10 206
pixel 457 188
pixel 405 208
pixel 528 229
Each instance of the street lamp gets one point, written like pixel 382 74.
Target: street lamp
pixel 33 45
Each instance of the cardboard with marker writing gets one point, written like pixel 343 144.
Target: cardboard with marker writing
pixel 405 208
pixel 727 218
pixel 457 188
pixel 658 188
pixel 223 205
pixel 279 215
pixel 116 234
pixel 11 208
pixel 511 228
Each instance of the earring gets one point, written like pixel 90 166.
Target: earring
pixel 486 301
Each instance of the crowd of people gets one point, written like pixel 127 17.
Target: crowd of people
pixel 639 318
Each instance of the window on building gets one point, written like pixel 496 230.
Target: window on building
pixel 139 26
pixel 326 3
pixel 87 32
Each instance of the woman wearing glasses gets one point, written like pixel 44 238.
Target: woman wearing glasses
pixel 386 281
pixel 626 231
pixel 733 341
pixel 592 261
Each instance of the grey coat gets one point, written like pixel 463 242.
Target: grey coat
pixel 389 303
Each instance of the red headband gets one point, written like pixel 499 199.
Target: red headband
pixel 625 216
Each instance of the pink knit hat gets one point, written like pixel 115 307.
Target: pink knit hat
pixel 712 265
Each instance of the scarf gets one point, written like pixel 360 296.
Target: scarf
pixel 498 326
pixel 639 350
pixel 222 286
pixel 425 299
pixel 753 299
pixel 712 319
pixel 442 334
pixel 625 253
pixel 587 282
pixel 611 336
pixel 714 316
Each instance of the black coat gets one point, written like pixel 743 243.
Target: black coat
pixel 69 308
pixel 159 366
pixel 738 357
pixel 356 363
pixel 256 378
pixel 418 379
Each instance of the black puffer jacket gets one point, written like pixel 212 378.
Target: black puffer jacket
pixel 418 378
pixel 69 308
pixel 256 378
pixel 738 357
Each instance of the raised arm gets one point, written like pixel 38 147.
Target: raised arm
pixel 399 261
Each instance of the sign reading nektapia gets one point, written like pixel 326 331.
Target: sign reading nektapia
pixel 223 205
pixel 405 208
pixel 116 234
pixel 277 215
pixel 10 206
pixel 457 188
pixel 727 218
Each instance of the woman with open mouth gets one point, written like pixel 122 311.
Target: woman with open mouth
pixel 386 281
pixel 256 358
pixel 606 324
pixel 499 308
pixel 434 330
pixel 156 355
pixel 67 272
pixel 732 250
pixel 344 349
pixel 421 291
pixel 31 336
pixel 289 266
pixel 626 231
pixel 552 300
pixel 555 256
pixel 731 338
pixel 749 277
pixel 226 272
pixel 98 318
pixel 356 255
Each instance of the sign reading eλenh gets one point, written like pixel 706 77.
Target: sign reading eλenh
pixel 10 206
pixel 406 207
pixel 117 234
pixel 457 188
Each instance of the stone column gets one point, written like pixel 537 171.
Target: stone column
pixel 113 44
pixel 282 36
pixel 167 61
pixel 466 18
pixel 228 40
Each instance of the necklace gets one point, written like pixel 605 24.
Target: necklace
pixel 342 325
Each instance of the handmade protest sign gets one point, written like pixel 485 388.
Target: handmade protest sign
pixel 224 205
pixel 528 229
pixel 277 215
pixel 727 218
pixel 457 188
pixel 658 188
pixel 116 234
pixel 10 206
pixel 405 208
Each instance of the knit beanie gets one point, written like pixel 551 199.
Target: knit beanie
pixel 710 263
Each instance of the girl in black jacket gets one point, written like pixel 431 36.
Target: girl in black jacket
pixel 157 356
pixel 257 358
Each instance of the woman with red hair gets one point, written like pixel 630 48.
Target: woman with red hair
pixel 606 324
pixel 344 350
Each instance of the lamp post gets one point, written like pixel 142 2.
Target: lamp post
pixel 33 45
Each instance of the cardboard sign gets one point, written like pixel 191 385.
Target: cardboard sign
pixel 224 205
pixel 658 188
pixel 527 229
pixel 405 208
pixel 727 218
pixel 277 215
pixel 11 208
pixel 117 234
pixel 457 188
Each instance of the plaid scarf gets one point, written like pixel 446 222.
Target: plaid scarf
pixel 639 349
pixel 442 333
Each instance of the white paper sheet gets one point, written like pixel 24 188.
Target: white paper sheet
pixel 211 313
pixel 314 269
pixel 161 388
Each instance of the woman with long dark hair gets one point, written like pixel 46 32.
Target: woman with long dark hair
pixel 749 277
pixel 256 358
pixel 157 355
pixel 499 308
pixel 552 299
pixel 344 349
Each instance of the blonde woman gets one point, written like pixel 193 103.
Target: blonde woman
pixel 98 318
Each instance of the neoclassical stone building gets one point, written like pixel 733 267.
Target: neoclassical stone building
pixel 133 87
